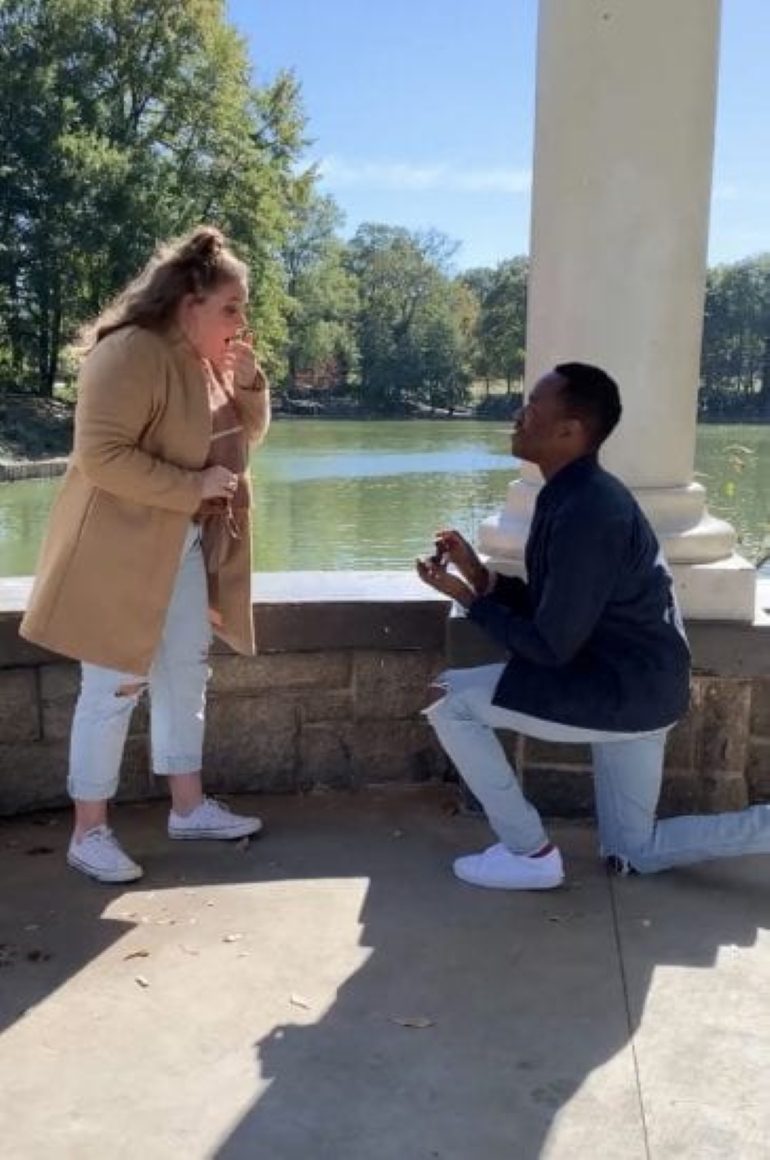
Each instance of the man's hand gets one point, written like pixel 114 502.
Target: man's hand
pixel 437 577
pixel 459 552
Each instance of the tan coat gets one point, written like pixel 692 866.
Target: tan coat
pixel 111 553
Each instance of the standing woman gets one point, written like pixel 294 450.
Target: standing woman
pixel 149 544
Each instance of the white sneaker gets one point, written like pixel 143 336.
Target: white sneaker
pixel 98 854
pixel 499 869
pixel 211 819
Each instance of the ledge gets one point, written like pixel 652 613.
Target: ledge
pixel 393 610
pixel 294 612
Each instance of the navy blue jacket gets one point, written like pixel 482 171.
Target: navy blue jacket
pixel 594 633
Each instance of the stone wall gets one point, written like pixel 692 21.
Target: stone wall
pixel 334 698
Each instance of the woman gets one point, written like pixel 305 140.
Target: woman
pixel 149 542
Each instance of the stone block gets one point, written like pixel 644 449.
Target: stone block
pixel 60 681
pixel 326 705
pixel 288 627
pixel 240 674
pixel 723 708
pixel 352 754
pixel 19 709
pixel 721 792
pixel 680 743
pixel 326 756
pixel 136 780
pixel 679 795
pixel 251 743
pixel 760 707
pixel 393 685
pixel 758 770
pixel 555 753
pixel 560 793
pixel 33 775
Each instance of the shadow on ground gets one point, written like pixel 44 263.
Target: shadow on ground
pixel 331 993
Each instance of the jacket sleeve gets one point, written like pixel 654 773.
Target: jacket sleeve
pixel 254 408
pixel 583 558
pixel 119 392
pixel 512 592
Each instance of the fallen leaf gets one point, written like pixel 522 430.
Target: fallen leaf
pixel 136 955
pixel 142 980
pixel 298 1001
pixel 231 938
pixel 419 1022
pixel 188 950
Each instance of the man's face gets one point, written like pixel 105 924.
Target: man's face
pixel 541 428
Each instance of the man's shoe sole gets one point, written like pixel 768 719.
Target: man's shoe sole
pixel 507 886
pixel 107 876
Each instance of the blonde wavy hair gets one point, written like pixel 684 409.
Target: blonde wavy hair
pixel 198 263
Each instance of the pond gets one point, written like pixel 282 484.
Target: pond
pixel 369 495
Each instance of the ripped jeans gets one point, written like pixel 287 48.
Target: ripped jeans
pixel 177 688
pixel 628 770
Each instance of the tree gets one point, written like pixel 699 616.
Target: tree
pixel 142 122
pixel 735 360
pixel 322 293
pixel 409 342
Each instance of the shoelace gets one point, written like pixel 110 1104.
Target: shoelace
pixel 101 834
pixel 210 801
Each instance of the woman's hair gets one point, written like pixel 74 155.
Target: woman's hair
pixel 198 264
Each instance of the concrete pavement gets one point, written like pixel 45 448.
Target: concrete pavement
pixel 329 992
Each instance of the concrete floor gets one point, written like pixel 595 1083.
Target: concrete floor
pixel 331 993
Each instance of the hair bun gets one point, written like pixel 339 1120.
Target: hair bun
pixel 203 247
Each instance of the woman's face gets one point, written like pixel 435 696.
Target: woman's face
pixel 212 322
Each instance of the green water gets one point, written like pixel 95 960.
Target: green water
pixel 370 494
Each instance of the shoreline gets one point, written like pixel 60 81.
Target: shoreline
pixel 13 470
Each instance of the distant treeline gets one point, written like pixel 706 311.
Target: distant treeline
pixel 126 122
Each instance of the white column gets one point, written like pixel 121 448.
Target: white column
pixel 626 94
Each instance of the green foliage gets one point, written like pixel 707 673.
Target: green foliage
pixel 500 329
pixel 409 330
pixel 322 293
pixel 123 122
pixel 735 361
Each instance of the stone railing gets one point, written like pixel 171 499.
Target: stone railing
pixel 334 698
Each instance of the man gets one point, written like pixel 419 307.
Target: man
pixel 597 654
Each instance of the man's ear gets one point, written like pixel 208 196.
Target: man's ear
pixel 571 429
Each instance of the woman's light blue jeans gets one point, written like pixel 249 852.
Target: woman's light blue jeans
pixel 177 688
pixel 628 770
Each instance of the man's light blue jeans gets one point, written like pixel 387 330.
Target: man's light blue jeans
pixel 628 770
pixel 176 684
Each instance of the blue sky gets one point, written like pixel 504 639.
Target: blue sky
pixel 421 114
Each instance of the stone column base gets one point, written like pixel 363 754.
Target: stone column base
pixel 712 581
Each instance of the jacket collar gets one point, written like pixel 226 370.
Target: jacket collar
pixel 569 477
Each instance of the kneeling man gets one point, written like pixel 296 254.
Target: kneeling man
pixel 597 651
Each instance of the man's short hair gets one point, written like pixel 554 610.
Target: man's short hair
pixel 591 396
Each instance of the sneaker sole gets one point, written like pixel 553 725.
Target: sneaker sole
pixel 222 835
pixel 551 885
pixel 108 876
